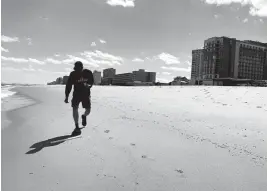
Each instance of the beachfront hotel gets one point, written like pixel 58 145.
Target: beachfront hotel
pixel 197 64
pixel 224 57
pixel 108 75
pixel 135 77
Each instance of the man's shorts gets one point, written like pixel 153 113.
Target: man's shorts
pixel 77 99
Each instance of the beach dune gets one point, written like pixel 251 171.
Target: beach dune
pixel 139 138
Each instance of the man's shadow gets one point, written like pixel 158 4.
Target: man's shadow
pixel 47 143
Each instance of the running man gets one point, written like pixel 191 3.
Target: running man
pixel 82 80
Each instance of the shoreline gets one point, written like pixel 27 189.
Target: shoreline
pixel 8 116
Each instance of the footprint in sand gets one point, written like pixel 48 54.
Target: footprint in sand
pixel 179 171
pixel 107 131
pixel 149 158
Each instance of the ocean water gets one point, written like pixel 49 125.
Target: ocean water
pixel 10 100
pixel 6 91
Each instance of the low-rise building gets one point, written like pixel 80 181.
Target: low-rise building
pixel 65 79
pixel 123 79
pixel 59 80
pixel 140 77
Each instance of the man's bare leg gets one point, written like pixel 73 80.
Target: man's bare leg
pixel 75 113
pixel 86 113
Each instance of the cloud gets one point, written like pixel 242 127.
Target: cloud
pixel 138 60
pixel 93 44
pixel 150 59
pixel 72 59
pixel 123 3
pixel 177 69
pixel 216 16
pixel 234 9
pixel 44 71
pixel 188 63
pixel 168 58
pixel 29 40
pixel 30 69
pixel 257 7
pixel 68 69
pixel 22 60
pixel 102 41
pixel 53 61
pixel 9 39
pixel 12 59
pixel 8 68
pixel 36 61
pixel 245 20
pixel 4 50
pixel 261 20
pixel 62 73
pixel 101 55
pixel 166 73
pixel 107 62
pixel 57 55
pixel 44 18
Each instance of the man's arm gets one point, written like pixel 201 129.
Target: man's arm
pixel 93 79
pixel 69 86
pixel 90 80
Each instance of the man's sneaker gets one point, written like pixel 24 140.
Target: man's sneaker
pixel 76 132
pixel 84 120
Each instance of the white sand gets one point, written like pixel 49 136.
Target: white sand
pixel 141 138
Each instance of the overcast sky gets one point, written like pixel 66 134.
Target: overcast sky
pixel 42 39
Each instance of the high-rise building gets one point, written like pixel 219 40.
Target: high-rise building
pixel 142 76
pixel 123 79
pixel 109 73
pixel 224 57
pixel 250 60
pixel 219 57
pixel 197 65
pixel 97 77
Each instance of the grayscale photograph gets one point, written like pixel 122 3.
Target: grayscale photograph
pixel 134 95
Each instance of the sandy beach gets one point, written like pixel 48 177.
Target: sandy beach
pixel 139 138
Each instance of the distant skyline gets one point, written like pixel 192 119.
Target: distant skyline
pixel 42 39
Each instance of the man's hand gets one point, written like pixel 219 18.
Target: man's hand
pixel 66 100
pixel 88 85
